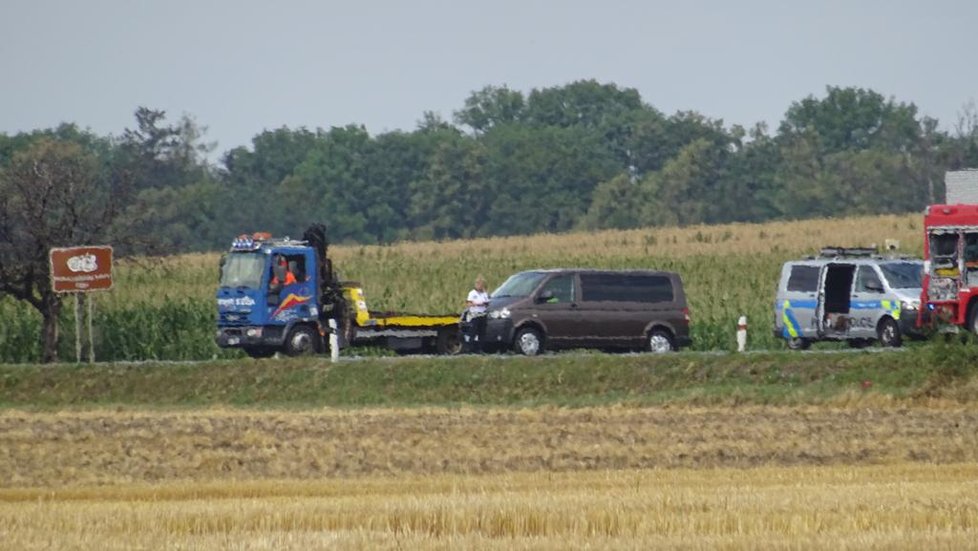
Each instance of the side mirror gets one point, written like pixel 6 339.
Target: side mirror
pixel 545 296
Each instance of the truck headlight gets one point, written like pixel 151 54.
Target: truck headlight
pixel 502 313
pixel 253 332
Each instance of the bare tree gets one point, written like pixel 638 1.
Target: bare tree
pixel 52 194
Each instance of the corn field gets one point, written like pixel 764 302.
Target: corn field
pixel 165 308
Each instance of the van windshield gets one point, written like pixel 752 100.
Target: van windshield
pixel 903 275
pixel 243 270
pixel 519 285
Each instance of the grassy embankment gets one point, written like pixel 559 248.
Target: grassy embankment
pixel 166 310
pixel 944 371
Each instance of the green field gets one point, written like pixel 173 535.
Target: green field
pixel 164 309
pixel 943 371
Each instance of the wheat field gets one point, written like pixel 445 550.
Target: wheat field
pixel 866 474
pixel 905 506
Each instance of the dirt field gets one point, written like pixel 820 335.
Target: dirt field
pixel 734 478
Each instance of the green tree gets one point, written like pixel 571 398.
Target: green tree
pixel 615 204
pixel 541 179
pixel 53 193
pixel 689 189
pixel 451 199
pixel 491 106
pixel 850 119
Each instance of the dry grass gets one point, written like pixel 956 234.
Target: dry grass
pixel 841 507
pixel 868 475
pixel 105 447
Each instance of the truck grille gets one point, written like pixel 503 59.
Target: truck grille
pixel 232 318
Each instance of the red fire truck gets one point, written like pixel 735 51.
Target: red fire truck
pixel 950 289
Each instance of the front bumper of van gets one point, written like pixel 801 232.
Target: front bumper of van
pixel 498 333
pixel 908 323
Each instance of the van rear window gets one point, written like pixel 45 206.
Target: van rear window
pixel 626 288
pixel 803 278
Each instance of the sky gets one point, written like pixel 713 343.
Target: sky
pixel 239 67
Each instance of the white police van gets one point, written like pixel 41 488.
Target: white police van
pixel 851 295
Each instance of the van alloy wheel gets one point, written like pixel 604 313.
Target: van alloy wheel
pixel 660 342
pixel 889 333
pixel 529 342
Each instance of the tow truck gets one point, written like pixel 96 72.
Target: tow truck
pixel 280 295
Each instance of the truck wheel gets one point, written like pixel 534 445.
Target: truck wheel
pixel 259 352
pixel 528 342
pixel 302 341
pixel 798 343
pixel 889 333
pixel 660 342
pixel 449 342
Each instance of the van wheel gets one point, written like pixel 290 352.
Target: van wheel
pixel 798 343
pixel 660 342
pixel 302 341
pixel 889 333
pixel 528 342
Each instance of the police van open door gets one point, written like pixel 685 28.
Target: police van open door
pixel 833 311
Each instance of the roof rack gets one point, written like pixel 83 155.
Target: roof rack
pixel 852 252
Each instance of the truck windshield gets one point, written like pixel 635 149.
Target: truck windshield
pixel 903 275
pixel 243 270
pixel 519 285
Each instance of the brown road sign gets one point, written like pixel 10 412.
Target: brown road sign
pixel 81 269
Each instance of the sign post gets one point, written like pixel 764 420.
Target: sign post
pixel 79 270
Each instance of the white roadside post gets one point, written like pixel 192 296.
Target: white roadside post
pixel 334 341
pixel 742 334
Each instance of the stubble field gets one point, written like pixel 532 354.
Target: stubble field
pixel 874 476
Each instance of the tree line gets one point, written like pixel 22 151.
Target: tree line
pixel 585 155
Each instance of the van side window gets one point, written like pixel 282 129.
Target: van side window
pixel 626 288
pixel 867 281
pixel 562 288
pixel 803 278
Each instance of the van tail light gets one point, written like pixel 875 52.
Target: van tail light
pixel 686 314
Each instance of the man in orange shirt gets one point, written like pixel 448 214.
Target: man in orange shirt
pixel 283 267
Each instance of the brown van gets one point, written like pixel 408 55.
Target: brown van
pixel 551 309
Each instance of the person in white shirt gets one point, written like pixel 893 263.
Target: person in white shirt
pixel 478 298
pixel 474 318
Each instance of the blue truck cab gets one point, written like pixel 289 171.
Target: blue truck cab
pixel 270 297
